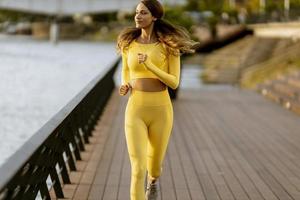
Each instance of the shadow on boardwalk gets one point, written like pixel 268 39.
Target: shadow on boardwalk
pixel 226 144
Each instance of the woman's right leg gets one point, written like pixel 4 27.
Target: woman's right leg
pixel 136 138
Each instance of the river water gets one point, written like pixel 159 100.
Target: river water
pixel 38 78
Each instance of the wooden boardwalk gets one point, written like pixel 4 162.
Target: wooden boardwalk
pixel 226 144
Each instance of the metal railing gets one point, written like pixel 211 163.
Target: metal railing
pixel 53 150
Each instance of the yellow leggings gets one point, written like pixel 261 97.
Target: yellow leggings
pixel 148 125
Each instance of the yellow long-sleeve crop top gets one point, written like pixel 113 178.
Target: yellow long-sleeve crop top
pixel 159 64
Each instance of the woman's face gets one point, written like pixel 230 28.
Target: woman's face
pixel 143 17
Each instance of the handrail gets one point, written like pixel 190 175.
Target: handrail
pixel 24 174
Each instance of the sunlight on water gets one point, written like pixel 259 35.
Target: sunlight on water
pixel 37 79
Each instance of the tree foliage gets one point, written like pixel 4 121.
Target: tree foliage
pixel 192 5
pixel 15 16
pixel 216 6
pixel 177 15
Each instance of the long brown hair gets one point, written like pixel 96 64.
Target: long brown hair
pixel 173 37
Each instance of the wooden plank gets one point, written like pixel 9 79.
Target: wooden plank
pixel 178 177
pixel 124 186
pixel 215 173
pixel 265 155
pixel 166 180
pixel 124 181
pixel 194 185
pixel 224 170
pixel 266 173
pixel 248 148
pixel 202 172
pixel 276 164
pixel 102 173
pixel 217 127
pixel 208 123
pixel 115 170
pixel 285 136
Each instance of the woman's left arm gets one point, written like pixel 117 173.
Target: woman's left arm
pixel 171 79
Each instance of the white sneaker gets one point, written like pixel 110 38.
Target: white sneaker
pixel 152 190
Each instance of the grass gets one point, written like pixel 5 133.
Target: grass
pixel 269 72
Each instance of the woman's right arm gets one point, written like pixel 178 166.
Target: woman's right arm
pixel 125 69
pixel 125 75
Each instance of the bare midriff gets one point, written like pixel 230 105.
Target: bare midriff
pixel 147 84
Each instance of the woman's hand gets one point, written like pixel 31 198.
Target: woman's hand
pixel 142 58
pixel 124 89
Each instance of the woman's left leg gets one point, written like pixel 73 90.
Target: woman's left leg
pixel 159 134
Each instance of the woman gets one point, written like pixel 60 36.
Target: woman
pixel 151 62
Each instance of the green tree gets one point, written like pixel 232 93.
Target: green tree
pixel 295 4
pixel 215 6
pixel 253 6
pixel 177 15
pixel 275 5
pixel 17 16
pixel 192 5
